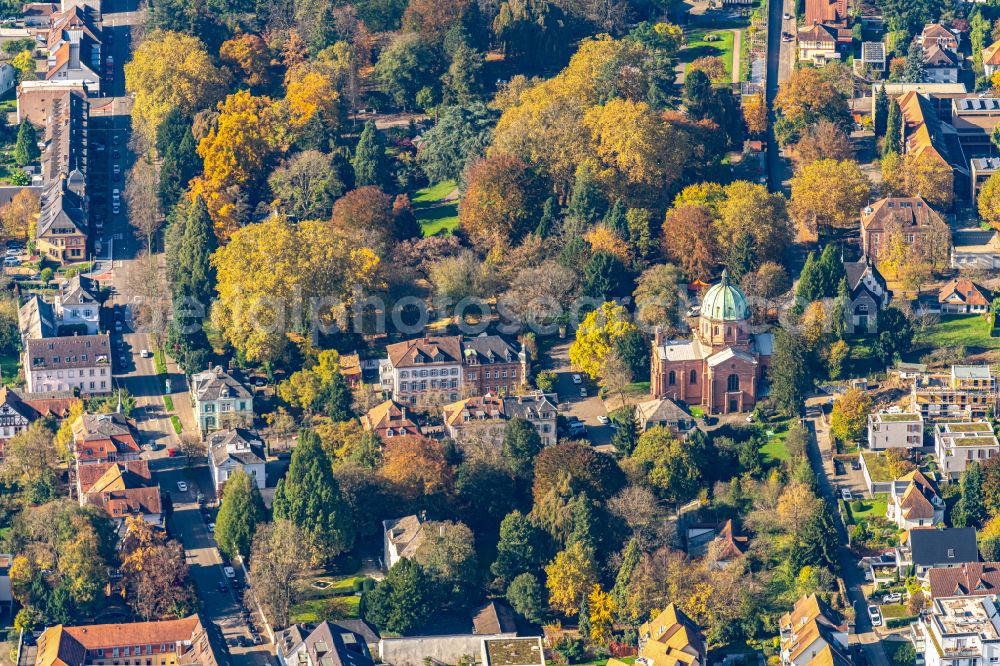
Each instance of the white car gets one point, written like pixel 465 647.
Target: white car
pixel 211 528
pixel 229 571
pixel 603 420
pixel 144 353
pixel 116 195
pixel 11 261
pixel 787 16
pixel 115 208
pixel 875 615
pixel 869 577
pixel 846 494
pixel 182 486
pixel 583 391
pixel 117 169
pixel 577 379
pixel 892 598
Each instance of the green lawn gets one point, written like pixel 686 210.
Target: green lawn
pixel 894 610
pixel 871 508
pixel 168 402
pixel 697 47
pixel 775 448
pixel 175 421
pixel 336 602
pixel 9 364
pixel 435 213
pixel 967 331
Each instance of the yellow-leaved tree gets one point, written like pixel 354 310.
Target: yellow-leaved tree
pixel 171 69
pixel 989 201
pixel 850 415
pixel 569 577
pixel 602 615
pixel 597 335
pixel 828 193
pixel 269 270
pixel 235 152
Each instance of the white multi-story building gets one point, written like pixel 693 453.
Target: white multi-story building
pixel 81 363
pixel 76 305
pixel 958 444
pixel 960 631
pixel 220 401
pixel 230 450
pixel 895 430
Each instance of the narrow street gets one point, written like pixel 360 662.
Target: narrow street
pixel 780 60
pixel 821 458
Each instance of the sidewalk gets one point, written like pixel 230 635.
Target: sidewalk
pixel 181 396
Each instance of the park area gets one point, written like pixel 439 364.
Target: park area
pixel 707 44
pixel 436 208
pixel 322 596
pixel 970 331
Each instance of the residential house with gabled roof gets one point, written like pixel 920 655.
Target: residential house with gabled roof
pixel 326 644
pixel 61 231
pixel 812 634
pixel 77 306
pixel 730 544
pixel 963 296
pixel 493 618
pixel 234 449
pixel 935 34
pixel 537 408
pixel 991 59
pixel 122 490
pixel 389 419
pixel 926 548
pixel 402 537
pixel 818 44
pixel 491 364
pixel 914 502
pixel 36 319
pixel 672 639
pixel 910 219
pixel 663 412
pixel 941 65
pixel 869 295
pixel 926 136
pixel 183 642
pixel 971 579
pixel 825 11
pixel 17 411
pixel 74 49
pixel 220 401
pixel 99 438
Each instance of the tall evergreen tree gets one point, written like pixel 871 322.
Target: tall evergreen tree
pixel 403 601
pixel 819 542
pixel 604 276
pixel 26 150
pixel 789 373
pixel 893 130
pixel 810 287
pixel 196 277
pixel 310 497
pixel 970 510
pixel 371 166
pixel 626 435
pixel 521 443
pixel 619 593
pixel 179 161
pixel 841 309
pixel 549 219
pixel 335 399
pixel 521 547
pixel 881 111
pixel 831 269
pixel 913 70
pixel 698 95
pixel 617 220
pixel 241 510
pixel 586 200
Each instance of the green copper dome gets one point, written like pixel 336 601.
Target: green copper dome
pixel 725 302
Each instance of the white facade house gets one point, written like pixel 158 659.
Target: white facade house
pixel 76 305
pixel 960 631
pixel 81 362
pixel 401 538
pixel 895 430
pixel 956 445
pixel 914 502
pixel 220 401
pixel 230 450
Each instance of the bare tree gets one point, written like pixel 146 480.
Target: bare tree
pixel 280 554
pixel 615 375
pixel 142 197
pixel 150 302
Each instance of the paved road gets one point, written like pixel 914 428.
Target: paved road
pixel 571 403
pixel 205 565
pixel 821 458
pixel 780 57
pixel 737 47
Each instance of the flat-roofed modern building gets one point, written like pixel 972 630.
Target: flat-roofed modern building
pixel 958 444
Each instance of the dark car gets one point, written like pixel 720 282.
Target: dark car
pixel 232 642
pixel 244 641
pixel 222 586
pixel 855 464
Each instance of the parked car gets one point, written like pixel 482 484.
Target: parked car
pixel 577 379
pixel 211 528
pixel 869 576
pixel 583 391
pixel 117 169
pixel 845 493
pixel 182 486
pixel 875 615
pixel 145 353
pixel 116 208
pixel 11 261
pixel 603 420
pixel 787 16
pixel 222 586
pixel 892 598
pixel 855 464
pixel 230 572
pixel 116 195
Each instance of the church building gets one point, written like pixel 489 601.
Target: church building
pixel 722 367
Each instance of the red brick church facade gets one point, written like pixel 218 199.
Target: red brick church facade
pixel 723 365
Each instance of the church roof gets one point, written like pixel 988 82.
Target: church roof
pixel 725 302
